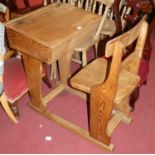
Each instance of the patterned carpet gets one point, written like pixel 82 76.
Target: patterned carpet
pixel 36 134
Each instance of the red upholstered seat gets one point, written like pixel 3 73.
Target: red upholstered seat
pixel 15 83
pixel 143 71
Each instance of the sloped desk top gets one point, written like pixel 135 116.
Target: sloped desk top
pixel 48 33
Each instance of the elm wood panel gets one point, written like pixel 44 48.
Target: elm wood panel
pixel 42 52
pixel 102 99
pixel 58 32
pixel 28 46
pixel 62 25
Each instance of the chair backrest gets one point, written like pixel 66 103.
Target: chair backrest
pixel 5 13
pixel 119 12
pixel 139 8
pixel 21 5
pixel 126 11
pixel 3 100
pixel 132 61
pixel 6 16
pixel 101 7
pixel 113 10
pixel 2 53
pixel 97 6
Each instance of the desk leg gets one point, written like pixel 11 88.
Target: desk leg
pixel 33 68
pixel 65 67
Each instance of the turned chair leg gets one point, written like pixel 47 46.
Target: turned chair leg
pixel 53 71
pixel 46 78
pixel 96 49
pixel 7 108
pixel 134 98
pixel 84 55
pixel 84 58
pixel 145 82
pixel 14 109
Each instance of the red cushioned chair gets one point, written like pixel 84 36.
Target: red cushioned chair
pixel 15 83
pixel 3 99
pixel 19 7
pixel 14 76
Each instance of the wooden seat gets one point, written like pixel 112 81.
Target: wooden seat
pixel 126 82
pixel 110 84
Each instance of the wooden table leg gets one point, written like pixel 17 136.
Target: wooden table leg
pixel 33 68
pixel 65 67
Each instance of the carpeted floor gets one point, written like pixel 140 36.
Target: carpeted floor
pixel 28 136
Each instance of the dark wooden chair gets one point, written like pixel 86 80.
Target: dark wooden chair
pixel 139 8
pixel 120 10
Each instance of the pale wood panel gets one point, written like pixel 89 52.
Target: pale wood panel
pixel 81 80
pixel 99 68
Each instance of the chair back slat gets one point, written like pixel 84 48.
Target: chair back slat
pixel 106 2
pixel 101 23
pixel 126 39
